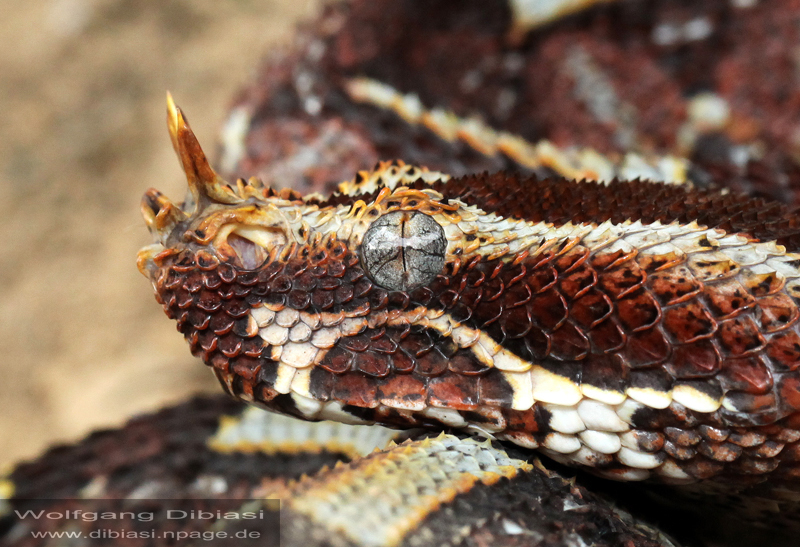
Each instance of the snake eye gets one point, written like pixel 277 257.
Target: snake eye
pixel 403 250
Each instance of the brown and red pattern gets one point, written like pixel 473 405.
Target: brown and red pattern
pixel 618 77
pixel 165 461
pixel 689 337
pixel 611 322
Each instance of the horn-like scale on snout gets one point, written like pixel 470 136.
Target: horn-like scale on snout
pixel 205 188
pixel 204 183
pixel 578 318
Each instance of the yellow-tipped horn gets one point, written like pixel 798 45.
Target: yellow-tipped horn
pixel 204 183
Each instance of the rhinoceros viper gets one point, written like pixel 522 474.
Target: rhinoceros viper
pixel 643 331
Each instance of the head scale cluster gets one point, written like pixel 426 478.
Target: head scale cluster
pixel 218 216
pixel 270 287
pixel 412 299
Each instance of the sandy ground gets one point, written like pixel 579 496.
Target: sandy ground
pixel 82 135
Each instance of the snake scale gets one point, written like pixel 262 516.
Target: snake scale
pixel 554 265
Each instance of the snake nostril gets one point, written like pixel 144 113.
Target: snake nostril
pixel 152 202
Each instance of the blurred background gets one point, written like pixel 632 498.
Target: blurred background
pixel 83 344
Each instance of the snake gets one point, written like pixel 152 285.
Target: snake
pixel 639 330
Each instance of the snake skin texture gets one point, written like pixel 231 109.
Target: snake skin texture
pixel 556 266
pixel 644 348
pixel 212 447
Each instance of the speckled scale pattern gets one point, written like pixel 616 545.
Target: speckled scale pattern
pixel 559 201
pixel 607 320
pixel 569 316
pixel 376 366
pixel 538 86
pixel 214 452
pixel 666 323
pixel 159 456
pixel 211 303
pixel 637 349
pixel 618 317
pixel 440 491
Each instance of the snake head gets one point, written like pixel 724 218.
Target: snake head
pixel 562 315
pixel 306 305
pixel 386 302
